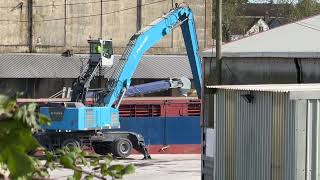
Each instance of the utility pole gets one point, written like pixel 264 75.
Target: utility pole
pixel 101 18
pixel 139 16
pixel 30 37
pixel 218 26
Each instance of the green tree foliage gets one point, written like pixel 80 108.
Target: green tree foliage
pixel 18 123
pixel 229 17
pixel 303 9
pixel 288 10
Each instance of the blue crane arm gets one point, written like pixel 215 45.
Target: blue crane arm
pixel 143 40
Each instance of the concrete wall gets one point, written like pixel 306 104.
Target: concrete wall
pixel 58 25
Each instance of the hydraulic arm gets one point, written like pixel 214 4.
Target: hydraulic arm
pixel 144 40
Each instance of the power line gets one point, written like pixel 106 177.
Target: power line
pixel 57 5
pixel 316 27
pixel 307 26
pixel 72 4
pixel 84 16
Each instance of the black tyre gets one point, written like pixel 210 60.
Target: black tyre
pixel 122 147
pixel 71 143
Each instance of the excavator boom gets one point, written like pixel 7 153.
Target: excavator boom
pixel 144 40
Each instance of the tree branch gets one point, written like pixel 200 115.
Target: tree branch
pixel 90 173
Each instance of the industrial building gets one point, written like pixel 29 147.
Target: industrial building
pixel 283 55
pixel 38 35
pixel 42 75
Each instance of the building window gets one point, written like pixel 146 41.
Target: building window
pixel 260 29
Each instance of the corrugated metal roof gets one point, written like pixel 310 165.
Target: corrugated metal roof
pixel 161 67
pixel 39 66
pixel 271 87
pixel 298 39
pixel 57 66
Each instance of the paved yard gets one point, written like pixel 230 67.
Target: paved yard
pixel 160 167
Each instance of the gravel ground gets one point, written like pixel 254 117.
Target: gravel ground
pixel 160 167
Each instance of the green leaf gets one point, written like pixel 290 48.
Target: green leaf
pixel 8 125
pixel 83 160
pixel 19 138
pixel 129 169
pixel 44 173
pixel 88 177
pixel 104 169
pixel 19 163
pixel 108 160
pixel 94 162
pixel 60 151
pixel 115 171
pixel 67 162
pixel 72 155
pixel 23 178
pixel 84 153
pixel 50 156
pixel 117 167
pixel 71 178
pixel 3 99
pixel 25 138
pixel 50 165
pixel 77 150
pixel 32 107
pixel 77 175
pixel 44 120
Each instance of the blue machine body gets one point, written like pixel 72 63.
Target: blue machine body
pixel 81 118
pixel 85 118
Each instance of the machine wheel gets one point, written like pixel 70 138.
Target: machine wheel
pixel 122 147
pixel 71 143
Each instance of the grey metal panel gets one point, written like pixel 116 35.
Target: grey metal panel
pixel 313 143
pixel 300 139
pixel 305 94
pixel 253 137
pixel 230 126
pixel 278 112
pixel 289 140
pixel 316 152
pixel 220 136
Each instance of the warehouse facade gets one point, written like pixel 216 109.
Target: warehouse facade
pixel 54 26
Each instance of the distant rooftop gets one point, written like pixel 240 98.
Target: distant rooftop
pixel 297 39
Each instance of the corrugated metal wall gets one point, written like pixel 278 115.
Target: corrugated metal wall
pixel 313 140
pixel 257 140
pixel 271 138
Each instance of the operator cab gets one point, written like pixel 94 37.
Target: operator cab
pixel 101 50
